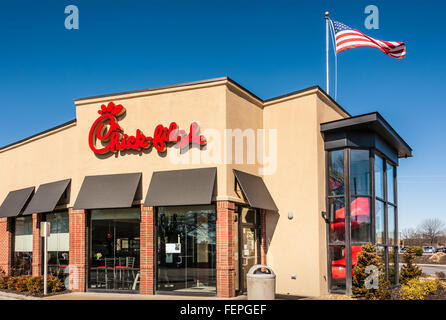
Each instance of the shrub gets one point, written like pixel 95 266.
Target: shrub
pixel 35 284
pixel 440 275
pixel 4 282
pixel 20 283
pixel 369 257
pixel 418 251
pixel 54 284
pixel 416 289
pixel 409 270
pixel 12 283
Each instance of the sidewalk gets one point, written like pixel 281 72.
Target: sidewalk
pixel 124 296
pixel 13 296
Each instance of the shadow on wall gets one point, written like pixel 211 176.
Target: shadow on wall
pixel 272 218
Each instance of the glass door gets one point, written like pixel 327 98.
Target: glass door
pixel 115 249
pixel 249 252
pixel 186 249
pixel 248 244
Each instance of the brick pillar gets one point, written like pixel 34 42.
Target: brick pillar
pixel 78 249
pixel 225 250
pixel 263 245
pixel 6 244
pixel 147 250
pixel 37 246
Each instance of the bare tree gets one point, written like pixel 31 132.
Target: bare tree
pixel 411 236
pixel 431 229
pixel 408 233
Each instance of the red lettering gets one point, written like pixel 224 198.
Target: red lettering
pixel 107 131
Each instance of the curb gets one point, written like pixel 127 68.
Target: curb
pixel 14 296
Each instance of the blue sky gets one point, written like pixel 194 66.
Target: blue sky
pixel 270 47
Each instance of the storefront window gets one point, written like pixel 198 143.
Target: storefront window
pixel 391 225
pixel 338 268
pixel 379 221
pixel 115 249
pixel 336 172
pixel 379 180
pixel 390 183
pixel 360 219
pixel 393 251
pixel 58 244
pixel 336 217
pixel 23 246
pixel 337 220
pixel 186 249
pixel 360 172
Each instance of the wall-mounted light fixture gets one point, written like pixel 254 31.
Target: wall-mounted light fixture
pixel 325 216
pixel 290 215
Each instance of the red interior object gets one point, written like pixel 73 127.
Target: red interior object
pixel 338 266
pixel 360 212
pixel 123 267
pixel 63 266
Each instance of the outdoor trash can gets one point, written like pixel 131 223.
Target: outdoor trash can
pixel 261 285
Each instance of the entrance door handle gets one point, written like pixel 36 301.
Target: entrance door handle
pixel 245 259
pixel 179 260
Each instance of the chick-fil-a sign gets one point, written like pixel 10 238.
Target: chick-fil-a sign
pixel 112 138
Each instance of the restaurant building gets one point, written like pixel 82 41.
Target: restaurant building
pixel 181 189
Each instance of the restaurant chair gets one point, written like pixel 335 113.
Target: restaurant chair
pixel 135 282
pixel 108 276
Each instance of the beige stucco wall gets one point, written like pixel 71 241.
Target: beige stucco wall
pixel 295 247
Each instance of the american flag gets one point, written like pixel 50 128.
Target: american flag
pixel 348 38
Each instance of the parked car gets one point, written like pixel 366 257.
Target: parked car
pixel 441 250
pixel 428 249
pixel 402 250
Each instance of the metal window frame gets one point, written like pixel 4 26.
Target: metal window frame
pixel 347 243
pixel 88 252
pixel 156 247
pixel 387 203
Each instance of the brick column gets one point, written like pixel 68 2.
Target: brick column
pixel 263 245
pixel 78 249
pixel 6 244
pixel 225 250
pixel 37 246
pixel 147 251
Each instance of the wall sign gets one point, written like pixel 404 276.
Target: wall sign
pixel 107 131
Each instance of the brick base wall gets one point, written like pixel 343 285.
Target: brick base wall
pixel 6 244
pixel 37 246
pixel 78 250
pixel 147 250
pixel 225 250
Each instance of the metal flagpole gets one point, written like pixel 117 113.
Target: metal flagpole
pixel 333 42
pixel 327 49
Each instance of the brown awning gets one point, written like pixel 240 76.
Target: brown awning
pixel 15 202
pixel 108 191
pixel 255 191
pixel 181 187
pixel 47 197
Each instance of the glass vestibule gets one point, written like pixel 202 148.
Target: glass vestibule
pixel 114 249
pixel 23 246
pixel 186 249
pixel 360 212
